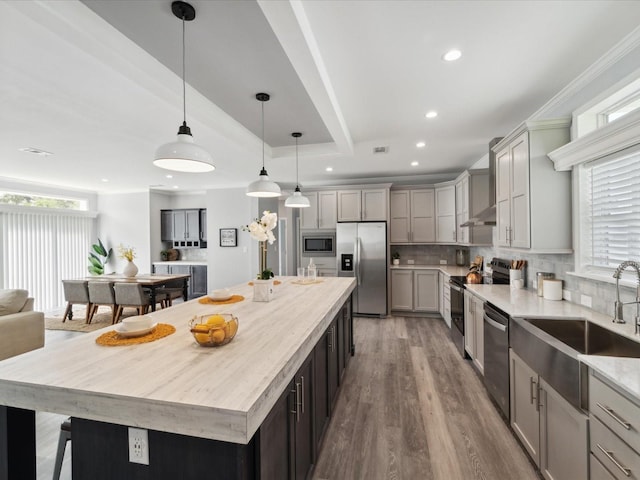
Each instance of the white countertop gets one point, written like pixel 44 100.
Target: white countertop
pixel 182 262
pixel 173 384
pixel 624 372
pixel 446 269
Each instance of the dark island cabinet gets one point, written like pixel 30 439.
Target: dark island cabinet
pixel 197 282
pixel 290 438
pixel 286 443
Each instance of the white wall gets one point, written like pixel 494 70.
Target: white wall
pixel 230 208
pixel 157 201
pixel 124 218
pixel 188 200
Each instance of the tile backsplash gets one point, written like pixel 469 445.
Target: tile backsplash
pixel 193 254
pixel 601 294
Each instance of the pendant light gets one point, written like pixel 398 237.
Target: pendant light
pixel 297 200
pixel 263 187
pixel 183 155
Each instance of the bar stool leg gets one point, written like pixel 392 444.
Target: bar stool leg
pixel 65 436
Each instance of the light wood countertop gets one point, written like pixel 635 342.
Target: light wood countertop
pixel 173 384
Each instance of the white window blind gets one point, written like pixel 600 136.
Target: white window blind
pixel 40 249
pixel 612 220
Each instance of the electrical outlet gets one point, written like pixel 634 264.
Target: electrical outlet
pixel 585 300
pixel 443 262
pixel 138 446
pixel 410 262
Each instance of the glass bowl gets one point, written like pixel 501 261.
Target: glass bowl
pixel 214 330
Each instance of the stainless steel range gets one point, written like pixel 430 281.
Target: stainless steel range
pixel 500 275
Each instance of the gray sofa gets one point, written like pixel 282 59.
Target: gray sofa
pixel 21 329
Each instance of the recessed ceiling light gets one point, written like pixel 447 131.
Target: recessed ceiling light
pixel 431 114
pixel 329 169
pixel 421 144
pixel 175 186
pixel 35 151
pixel 169 176
pixel 105 180
pixel 414 164
pixel 452 55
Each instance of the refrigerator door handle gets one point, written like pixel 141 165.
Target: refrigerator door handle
pixel 358 268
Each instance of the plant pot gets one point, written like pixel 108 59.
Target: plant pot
pixel 130 270
pixel 262 290
pixel 396 261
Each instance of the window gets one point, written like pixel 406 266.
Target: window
pixel 35 200
pixel 609 223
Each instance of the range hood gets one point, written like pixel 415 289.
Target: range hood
pixel 488 215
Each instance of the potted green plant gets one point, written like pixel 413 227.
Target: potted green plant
pixel 396 258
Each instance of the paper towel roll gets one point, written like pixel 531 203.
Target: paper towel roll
pixel 552 289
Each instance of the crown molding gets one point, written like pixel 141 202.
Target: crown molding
pixel 530 126
pixel 604 63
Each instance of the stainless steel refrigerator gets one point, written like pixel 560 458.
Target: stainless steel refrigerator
pixel 361 252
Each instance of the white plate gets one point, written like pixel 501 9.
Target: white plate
pixel 134 333
pixel 221 298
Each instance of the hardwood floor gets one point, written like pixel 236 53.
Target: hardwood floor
pixel 412 408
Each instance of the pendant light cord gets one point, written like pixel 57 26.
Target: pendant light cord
pixel 297 182
pixel 262 104
pixel 184 89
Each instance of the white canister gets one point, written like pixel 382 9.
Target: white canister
pixel 515 278
pixel 552 289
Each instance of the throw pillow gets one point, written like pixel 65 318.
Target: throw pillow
pixel 12 301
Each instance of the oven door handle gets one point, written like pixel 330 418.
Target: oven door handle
pixel 494 324
pixel 455 287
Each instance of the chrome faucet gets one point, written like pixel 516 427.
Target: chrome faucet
pixel 618 314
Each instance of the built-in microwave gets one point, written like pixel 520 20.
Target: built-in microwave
pixel 318 244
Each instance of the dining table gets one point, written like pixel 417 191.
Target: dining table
pixel 150 281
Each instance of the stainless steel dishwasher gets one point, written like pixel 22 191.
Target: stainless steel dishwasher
pixel 496 355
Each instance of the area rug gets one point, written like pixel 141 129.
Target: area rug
pixel 102 318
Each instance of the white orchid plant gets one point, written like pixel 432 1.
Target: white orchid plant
pixel 262 231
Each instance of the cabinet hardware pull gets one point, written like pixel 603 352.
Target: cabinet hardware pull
pixel 532 397
pixel 539 403
pixel 302 393
pixel 329 339
pixel 297 402
pixel 623 469
pixel 613 415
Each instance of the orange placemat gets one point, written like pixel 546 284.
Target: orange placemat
pixel 275 282
pixel 211 301
pixel 112 339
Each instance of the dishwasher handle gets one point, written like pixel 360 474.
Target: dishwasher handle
pixel 494 324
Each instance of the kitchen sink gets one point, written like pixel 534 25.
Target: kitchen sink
pixel 551 348
pixel 588 338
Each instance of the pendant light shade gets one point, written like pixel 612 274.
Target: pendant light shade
pixel 263 187
pixel 183 155
pixel 297 200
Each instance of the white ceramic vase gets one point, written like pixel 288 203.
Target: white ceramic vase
pixel 130 269
pixel 262 290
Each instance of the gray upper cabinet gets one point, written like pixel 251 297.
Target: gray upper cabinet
pixel 533 200
pixel 412 214
pixel 166 226
pixel 322 211
pixel 184 228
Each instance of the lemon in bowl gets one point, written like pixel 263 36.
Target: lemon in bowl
pixel 214 330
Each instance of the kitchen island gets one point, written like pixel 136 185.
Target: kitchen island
pixel 203 407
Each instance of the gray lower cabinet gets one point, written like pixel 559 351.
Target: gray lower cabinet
pixel 552 431
pixel 198 281
pixel 414 290
pixel 614 431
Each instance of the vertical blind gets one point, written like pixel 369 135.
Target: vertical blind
pixel 40 249
pixel 614 211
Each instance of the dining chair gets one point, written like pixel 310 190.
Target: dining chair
pixel 132 295
pixel 173 290
pixel 102 293
pixel 76 292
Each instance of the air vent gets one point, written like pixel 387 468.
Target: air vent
pixel 35 151
pixel 381 149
